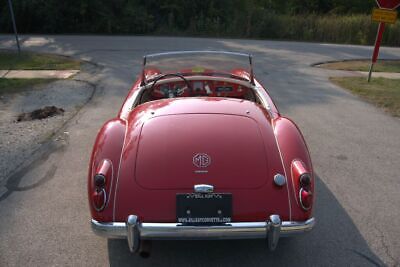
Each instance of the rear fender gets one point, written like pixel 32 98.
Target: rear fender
pixel 108 147
pixel 293 147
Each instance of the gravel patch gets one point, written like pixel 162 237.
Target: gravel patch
pixel 19 140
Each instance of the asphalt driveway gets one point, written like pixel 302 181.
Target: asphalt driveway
pixel 355 149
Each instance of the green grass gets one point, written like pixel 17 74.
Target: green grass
pixel 35 61
pixel 18 85
pixel 382 92
pixel 364 65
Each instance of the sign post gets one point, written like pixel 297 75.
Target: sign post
pixel 385 14
pixel 14 24
pixel 378 40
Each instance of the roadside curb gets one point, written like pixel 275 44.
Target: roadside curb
pixel 317 64
pixel 341 72
pixel 43 74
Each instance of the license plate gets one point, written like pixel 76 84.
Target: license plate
pixel 200 208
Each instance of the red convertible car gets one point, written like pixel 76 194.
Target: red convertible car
pixel 200 151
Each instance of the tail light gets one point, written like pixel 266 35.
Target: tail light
pixel 303 184
pixel 306 198
pixel 99 199
pixel 305 192
pixel 100 182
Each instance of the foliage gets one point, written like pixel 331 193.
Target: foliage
pixel 343 21
pixel 34 61
pixel 9 86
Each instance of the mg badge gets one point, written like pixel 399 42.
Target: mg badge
pixel 201 160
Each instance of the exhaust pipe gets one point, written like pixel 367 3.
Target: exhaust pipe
pixel 145 248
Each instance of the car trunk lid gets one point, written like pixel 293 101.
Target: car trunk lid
pixel 179 151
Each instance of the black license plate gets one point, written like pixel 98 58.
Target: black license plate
pixel 203 209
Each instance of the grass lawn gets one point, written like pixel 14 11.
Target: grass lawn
pixel 35 61
pixel 382 92
pixel 363 65
pixel 18 85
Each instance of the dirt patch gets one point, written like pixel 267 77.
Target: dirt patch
pixel 41 113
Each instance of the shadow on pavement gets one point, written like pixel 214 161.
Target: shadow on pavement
pixel 334 241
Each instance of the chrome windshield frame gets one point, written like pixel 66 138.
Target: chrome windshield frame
pixel 172 53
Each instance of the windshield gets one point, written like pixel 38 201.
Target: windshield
pixel 199 62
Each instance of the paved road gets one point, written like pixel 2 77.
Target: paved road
pixel 44 218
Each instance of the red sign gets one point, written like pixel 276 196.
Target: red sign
pixel 383 4
pixel 388 4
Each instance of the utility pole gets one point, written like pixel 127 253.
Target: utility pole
pixel 14 25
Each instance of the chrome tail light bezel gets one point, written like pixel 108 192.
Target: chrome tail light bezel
pixel 104 200
pixel 104 171
pixel 303 182
pixel 304 207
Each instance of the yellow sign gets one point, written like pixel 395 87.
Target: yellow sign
pixel 384 15
pixel 198 69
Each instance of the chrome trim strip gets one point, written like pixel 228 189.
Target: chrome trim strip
pixel 284 168
pixel 112 180
pixel 173 231
pixel 119 169
pixel 197 52
pixel 136 97
pixel 261 91
pixel 174 53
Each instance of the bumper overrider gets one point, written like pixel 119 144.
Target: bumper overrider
pixel 135 231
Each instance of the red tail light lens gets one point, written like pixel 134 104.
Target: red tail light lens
pixel 99 199
pixel 100 182
pixel 306 199
pixel 304 184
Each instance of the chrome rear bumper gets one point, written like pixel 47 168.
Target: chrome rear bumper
pixel 135 231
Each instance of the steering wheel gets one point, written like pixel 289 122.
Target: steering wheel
pixel 189 86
